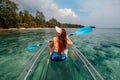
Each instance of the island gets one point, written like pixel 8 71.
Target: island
pixel 13 18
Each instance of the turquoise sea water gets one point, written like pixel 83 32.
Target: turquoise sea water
pixel 101 47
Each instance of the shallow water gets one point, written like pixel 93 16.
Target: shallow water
pixel 101 47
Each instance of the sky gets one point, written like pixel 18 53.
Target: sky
pixel 99 13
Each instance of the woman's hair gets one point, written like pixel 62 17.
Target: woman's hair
pixel 62 40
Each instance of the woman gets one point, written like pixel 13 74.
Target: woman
pixel 58 45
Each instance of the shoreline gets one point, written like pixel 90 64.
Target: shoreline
pixel 23 29
pixel 10 29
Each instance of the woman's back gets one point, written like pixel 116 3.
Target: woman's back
pixel 56 44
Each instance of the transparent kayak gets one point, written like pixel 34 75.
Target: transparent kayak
pixel 75 67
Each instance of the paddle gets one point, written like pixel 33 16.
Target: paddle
pixel 84 30
pixel 35 46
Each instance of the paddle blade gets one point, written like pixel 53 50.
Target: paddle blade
pixel 35 46
pixel 84 30
pixel 32 47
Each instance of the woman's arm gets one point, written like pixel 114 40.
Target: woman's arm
pixel 69 42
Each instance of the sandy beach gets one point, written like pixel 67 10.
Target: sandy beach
pixel 23 29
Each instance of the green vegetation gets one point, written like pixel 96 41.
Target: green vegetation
pixel 11 17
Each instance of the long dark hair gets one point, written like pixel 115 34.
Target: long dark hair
pixel 62 40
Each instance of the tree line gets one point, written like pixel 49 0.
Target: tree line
pixel 12 17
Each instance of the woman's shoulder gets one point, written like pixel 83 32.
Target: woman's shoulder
pixel 55 38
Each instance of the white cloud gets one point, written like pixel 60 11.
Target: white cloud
pixel 66 15
pixel 67 12
pixel 50 9
pixel 53 7
pixel 102 13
